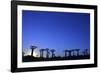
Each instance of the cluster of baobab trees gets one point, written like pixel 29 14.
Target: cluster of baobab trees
pixel 75 52
pixel 67 53
pixel 47 50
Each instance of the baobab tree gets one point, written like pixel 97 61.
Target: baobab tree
pixel 77 50
pixel 41 52
pixel 33 48
pixel 52 51
pixel 73 52
pixel 70 51
pixel 65 51
pixel 85 52
pixel 47 54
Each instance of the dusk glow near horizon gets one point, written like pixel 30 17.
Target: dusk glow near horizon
pixel 55 30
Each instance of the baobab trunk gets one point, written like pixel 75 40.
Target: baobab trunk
pixel 32 52
pixel 47 55
pixel 33 47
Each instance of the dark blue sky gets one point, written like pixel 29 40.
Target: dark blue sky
pixel 55 30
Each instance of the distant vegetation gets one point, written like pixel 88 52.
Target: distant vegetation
pixel 73 54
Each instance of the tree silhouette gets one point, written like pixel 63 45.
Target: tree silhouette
pixel 52 52
pixel 70 51
pixel 41 52
pixel 47 54
pixel 77 50
pixel 33 48
pixel 85 52
pixel 73 52
pixel 65 51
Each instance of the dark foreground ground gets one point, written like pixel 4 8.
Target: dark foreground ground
pixel 34 59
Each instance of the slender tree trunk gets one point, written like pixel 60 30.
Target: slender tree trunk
pixel 32 53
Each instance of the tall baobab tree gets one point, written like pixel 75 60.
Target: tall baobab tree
pixel 83 52
pixel 41 52
pixel 33 48
pixel 47 54
pixel 65 51
pixel 52 51
pixel 70 51
pixel 86 51
pixel 73 52
pixel 77 50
